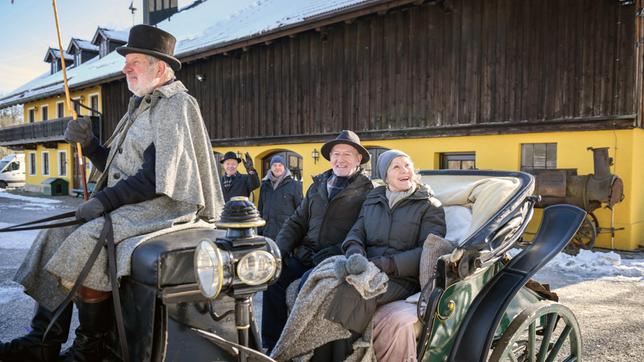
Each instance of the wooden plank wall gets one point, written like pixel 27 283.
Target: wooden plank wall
pixel 470 63
pixel 115 98
pixel 638 94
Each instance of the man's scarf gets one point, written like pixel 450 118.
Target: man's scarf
pixel 228 181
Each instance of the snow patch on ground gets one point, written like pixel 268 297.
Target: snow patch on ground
pixel 565 269
pixel 9 292
pixel 36 201
pixel 18 239
pixel 597 264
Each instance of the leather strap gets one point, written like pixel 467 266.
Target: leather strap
pixel 33 225
pixel 116 298
pixel 83 274
pixel 105 239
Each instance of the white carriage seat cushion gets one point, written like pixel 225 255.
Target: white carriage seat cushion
pixel 457 223
pixel 483 197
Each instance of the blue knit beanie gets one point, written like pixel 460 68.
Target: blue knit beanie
pixel 385 160
pixel 278 159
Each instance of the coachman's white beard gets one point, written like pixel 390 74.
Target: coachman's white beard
pixel 146 84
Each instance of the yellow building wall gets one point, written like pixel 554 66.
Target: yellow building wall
pixel 503 152
pixel 83 94
pixel 54 169
pixel 636 190
pixel 34 181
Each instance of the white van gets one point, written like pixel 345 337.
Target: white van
pixel 12 170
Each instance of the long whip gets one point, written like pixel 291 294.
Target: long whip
pixel 68 104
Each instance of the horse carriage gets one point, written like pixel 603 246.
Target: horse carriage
pixel 189 295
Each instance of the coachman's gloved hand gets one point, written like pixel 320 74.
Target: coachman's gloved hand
pixel 79 131
pixel 386 264
pixel 90 209
pixel 248 162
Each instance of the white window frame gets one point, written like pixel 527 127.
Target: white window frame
pixel 98 102
pixel 80 101
pixel 57 108
pixel 42 161
pixel 32 164
pixel 44 109
pixel 30 111
pixel 60 168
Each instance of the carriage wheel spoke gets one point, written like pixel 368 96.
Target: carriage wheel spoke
pixel 513 358
pixel 571 359
pixel 545 342
pixel 559 343
pixel 532 341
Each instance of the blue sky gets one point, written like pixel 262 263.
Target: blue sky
pixel 27 29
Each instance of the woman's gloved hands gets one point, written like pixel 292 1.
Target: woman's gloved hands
pixel 355 264
pixel 386 264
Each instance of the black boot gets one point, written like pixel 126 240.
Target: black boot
pixel 31 347
pixel 95 323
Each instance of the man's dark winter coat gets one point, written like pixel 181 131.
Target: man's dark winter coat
pixel 277 205
pixel 242 185
pixel 319 222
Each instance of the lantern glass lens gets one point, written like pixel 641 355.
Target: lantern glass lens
pixel 256 268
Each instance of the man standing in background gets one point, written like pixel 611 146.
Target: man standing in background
pixel 234 183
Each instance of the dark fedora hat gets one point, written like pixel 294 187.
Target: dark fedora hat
pixel 152 41
pixel 230 155
pixel 348 138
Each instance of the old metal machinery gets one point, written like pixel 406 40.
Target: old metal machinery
pixel 590 192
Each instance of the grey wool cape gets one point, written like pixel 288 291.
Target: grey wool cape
pixel 187 188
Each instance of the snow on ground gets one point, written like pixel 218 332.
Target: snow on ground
pixel 597 264
pixel 565 269
pixel 18 239
pixel 11 291
pixel 40 202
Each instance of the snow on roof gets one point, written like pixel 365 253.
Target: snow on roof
pixel 56 53
pixel 208 25
pixel 197 30
pixel 48 85
pixel 82 44
pixel 118 35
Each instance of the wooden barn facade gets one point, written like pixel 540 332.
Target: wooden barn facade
pixel 460 83
pixel 488 84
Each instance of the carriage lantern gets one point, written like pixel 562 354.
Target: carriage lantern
pixel 239 264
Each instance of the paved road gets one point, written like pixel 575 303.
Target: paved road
pixel 609 309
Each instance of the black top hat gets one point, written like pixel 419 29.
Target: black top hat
pixel 230 155
pixel 152 41
pixel 348 138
